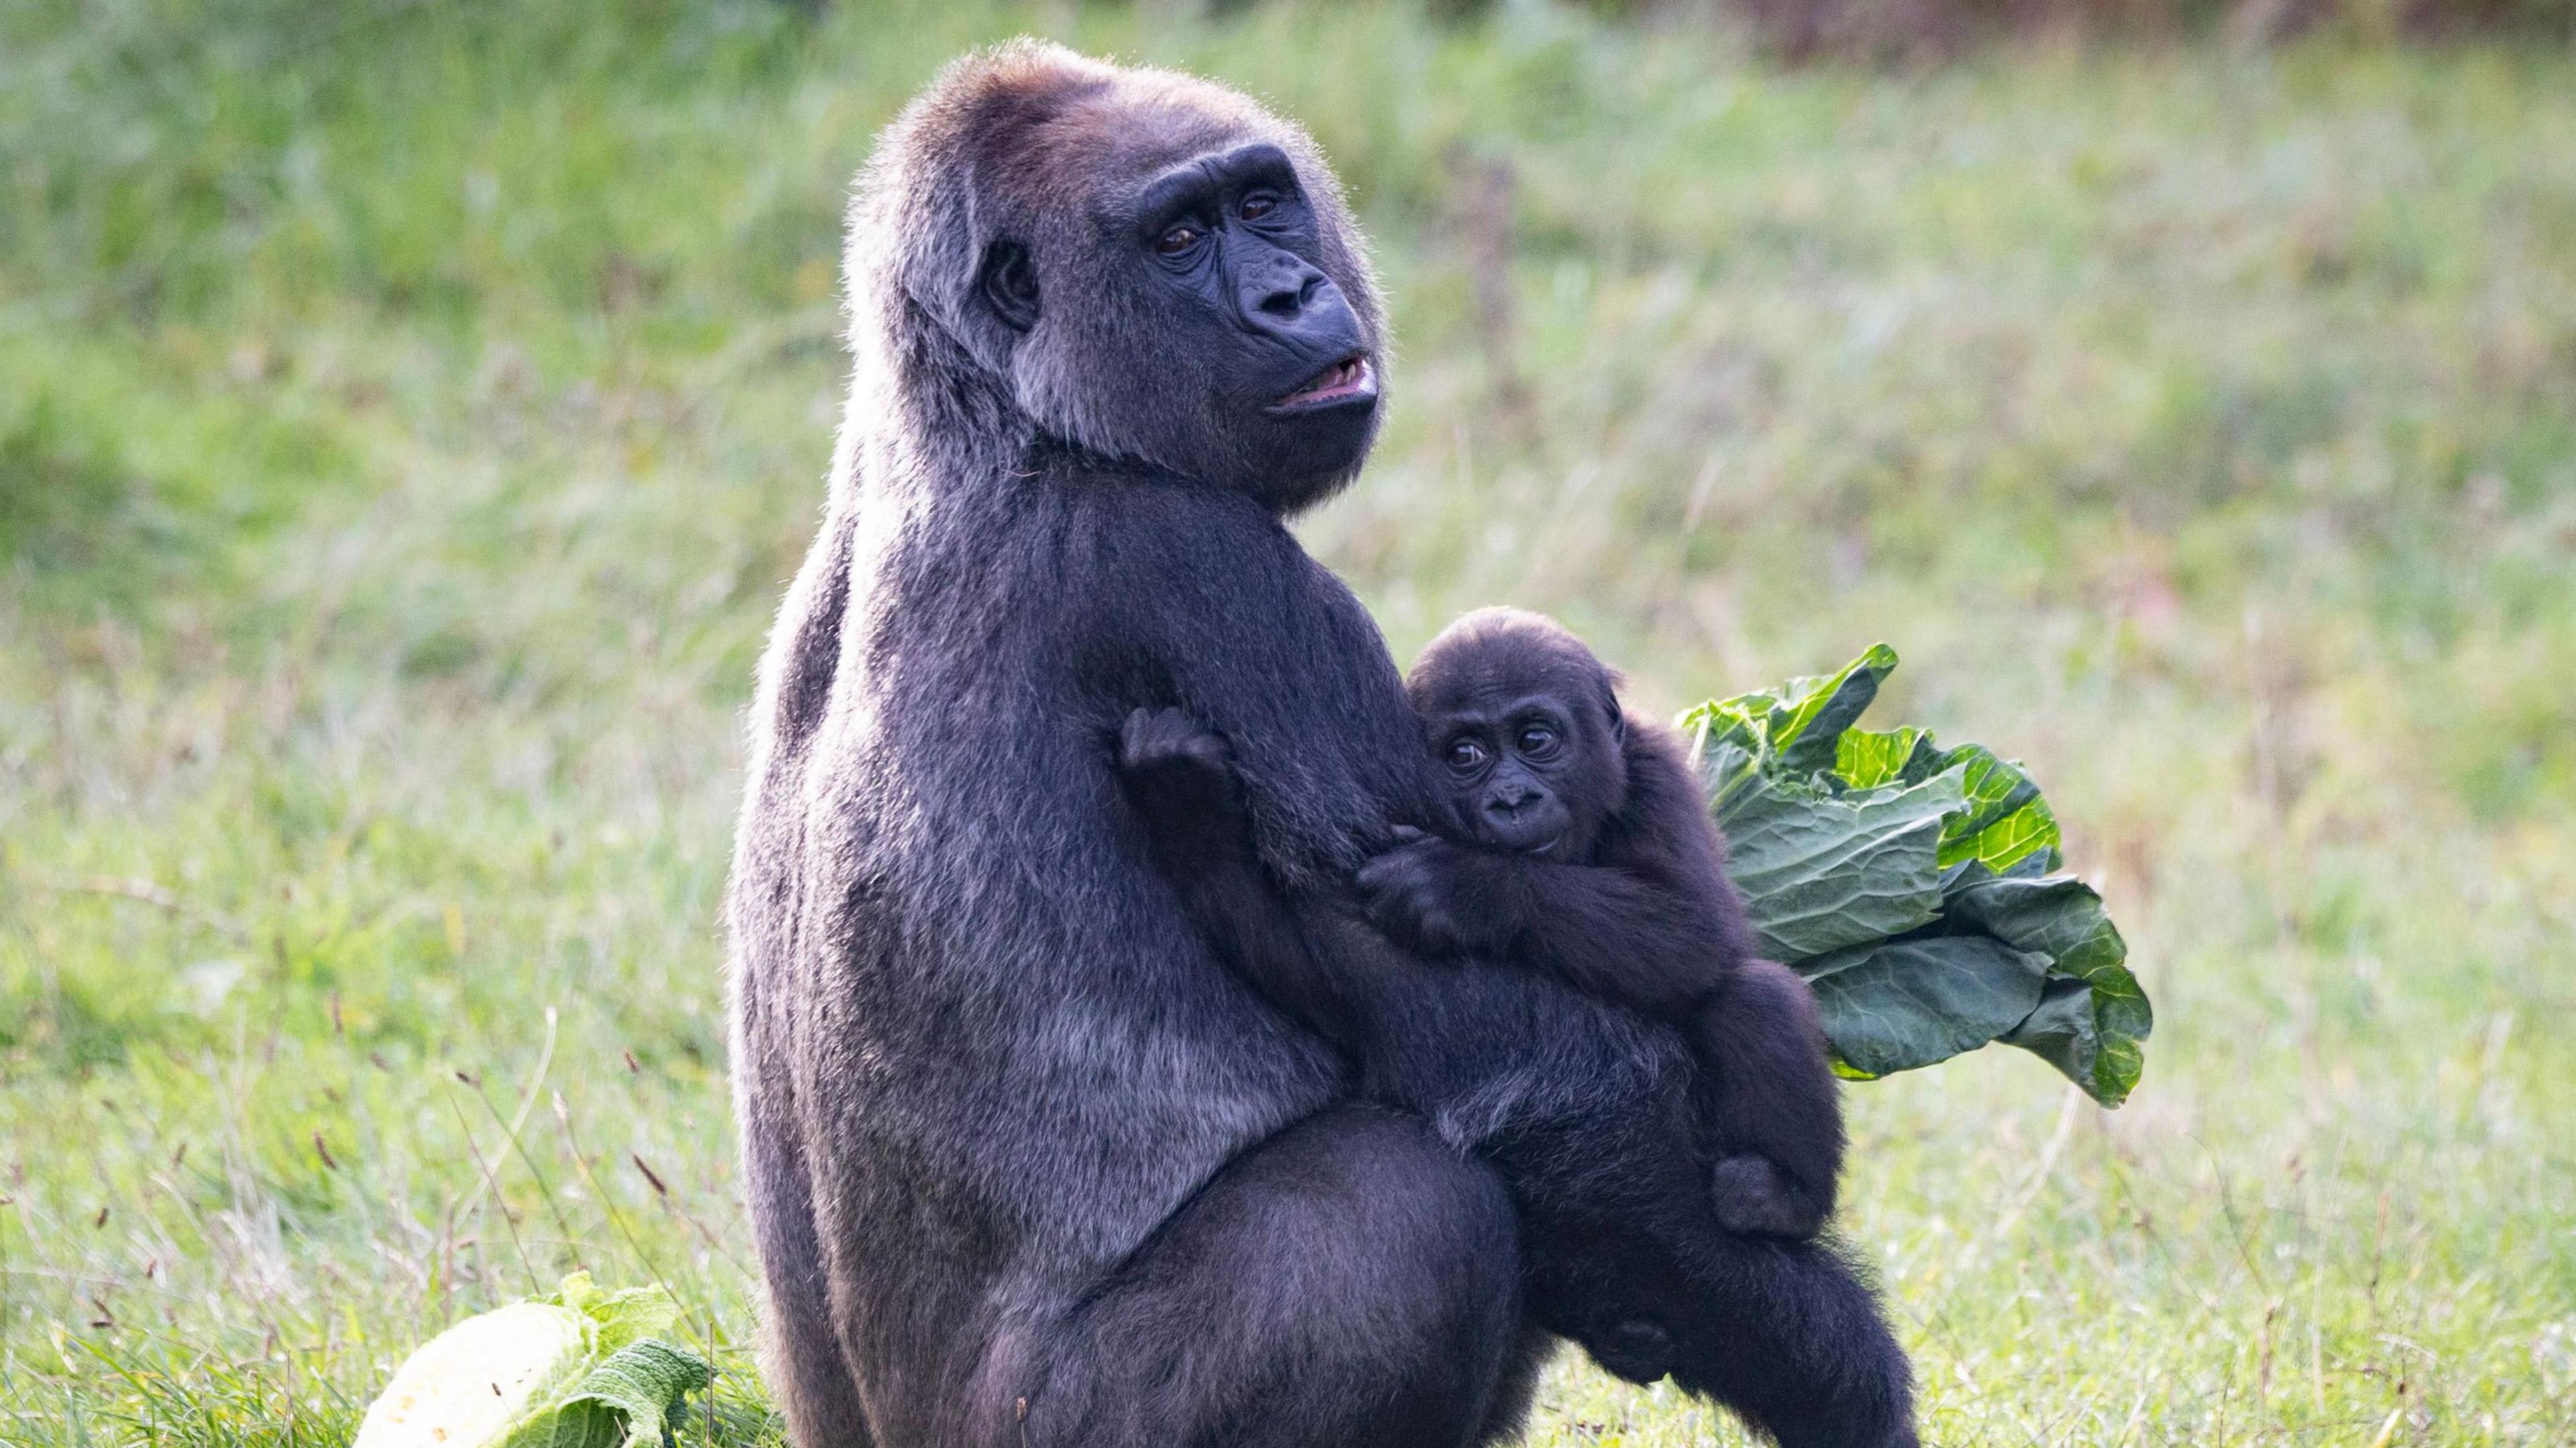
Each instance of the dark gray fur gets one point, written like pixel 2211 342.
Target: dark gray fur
pixel 996 1098
pixel 1026 1163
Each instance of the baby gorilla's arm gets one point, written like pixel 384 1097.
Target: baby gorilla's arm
pixel 1645 917
pixel 1612 932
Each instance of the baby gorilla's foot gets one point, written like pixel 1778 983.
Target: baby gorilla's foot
pixel 1755 1198
pixel 1633 1348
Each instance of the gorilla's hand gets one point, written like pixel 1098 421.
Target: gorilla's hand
pixel 1437 898
pixel 1175 767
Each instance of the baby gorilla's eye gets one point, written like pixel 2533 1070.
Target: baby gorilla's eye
pixel 1177 240
pixel 1255 207
pixel 1465 754
pixel 1538 740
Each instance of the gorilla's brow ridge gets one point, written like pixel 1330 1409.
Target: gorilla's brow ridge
pixel 1178 189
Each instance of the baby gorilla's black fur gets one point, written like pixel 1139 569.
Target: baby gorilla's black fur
pixel 1589 852
pixel 1620 1248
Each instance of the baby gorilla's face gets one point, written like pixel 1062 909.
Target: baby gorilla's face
pixel 1525 726
pixel 1529 770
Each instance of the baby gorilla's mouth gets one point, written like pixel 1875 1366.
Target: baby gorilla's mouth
pixel 1352 377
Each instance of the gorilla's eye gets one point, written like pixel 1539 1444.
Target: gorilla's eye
pixel 1465 754
pixel 1255 207
pixel 1538 741
pixel 1177 240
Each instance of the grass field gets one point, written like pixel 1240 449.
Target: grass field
pixel 409 414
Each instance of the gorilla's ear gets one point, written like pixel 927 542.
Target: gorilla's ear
pixel 1009 285
pixel 1618 721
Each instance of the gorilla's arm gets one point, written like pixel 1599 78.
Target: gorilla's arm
pixel 1651 922
pixel 1180 776
pixel 1608 931
pixel 1273 654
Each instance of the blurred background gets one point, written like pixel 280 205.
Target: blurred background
pixel 409 413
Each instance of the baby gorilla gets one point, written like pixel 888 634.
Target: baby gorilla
pixel 1579 843
pixel 1585 863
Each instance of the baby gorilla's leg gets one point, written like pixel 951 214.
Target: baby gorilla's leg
pixel 1789 1335
pixel 1769 1103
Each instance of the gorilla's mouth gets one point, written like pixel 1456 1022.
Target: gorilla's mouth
pixel 1344 381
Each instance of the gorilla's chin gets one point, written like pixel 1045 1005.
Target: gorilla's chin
pixel 1304 457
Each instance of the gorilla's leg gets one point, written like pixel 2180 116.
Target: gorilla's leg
pixel 801 1358
pixel 1625 1254
pixel 1787 1333
pixel 1350 1283
pixel 1783 1332
pixel 1769 1102
pixel 1510 1404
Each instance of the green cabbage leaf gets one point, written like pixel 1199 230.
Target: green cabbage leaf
pixel 1915 887
pixel 582 1368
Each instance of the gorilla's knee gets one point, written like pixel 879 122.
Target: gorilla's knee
pixel 1415 1235
pixel 1446 1217
pixel 1351 1281
pixel 1428 1279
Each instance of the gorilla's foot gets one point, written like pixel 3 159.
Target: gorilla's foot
pixel 1755 1198
pixel 1633 1348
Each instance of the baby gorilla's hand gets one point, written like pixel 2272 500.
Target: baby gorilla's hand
pixel 1433 897
pixel 1173 760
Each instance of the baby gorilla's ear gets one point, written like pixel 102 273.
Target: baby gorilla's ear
pixel 1610 710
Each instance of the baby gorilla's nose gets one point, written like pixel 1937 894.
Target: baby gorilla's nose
pixel 1520 814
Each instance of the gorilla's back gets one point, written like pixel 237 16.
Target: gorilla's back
pixel 973 1030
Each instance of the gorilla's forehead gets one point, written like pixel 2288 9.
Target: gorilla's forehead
pixel 1101 151
pixel 1495 656
pixel 1499 674
pixel 1506 688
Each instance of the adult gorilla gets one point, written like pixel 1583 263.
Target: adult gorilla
pixel 1026 1163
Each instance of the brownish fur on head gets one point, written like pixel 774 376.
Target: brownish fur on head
pixel 996 273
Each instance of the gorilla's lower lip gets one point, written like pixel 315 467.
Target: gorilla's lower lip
pixel 1350 379
pixel 1543 846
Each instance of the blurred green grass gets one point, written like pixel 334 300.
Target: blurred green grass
pixel 409 413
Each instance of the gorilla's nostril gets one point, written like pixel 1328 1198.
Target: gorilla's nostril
pixel 1288 296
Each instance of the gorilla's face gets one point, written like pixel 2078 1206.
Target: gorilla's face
pixel 1233 244
pixel 1200 314
pixel 1526 726
pixel 1532 771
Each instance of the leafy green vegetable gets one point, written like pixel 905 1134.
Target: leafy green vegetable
pixel 580 1369
pixel 1912 886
